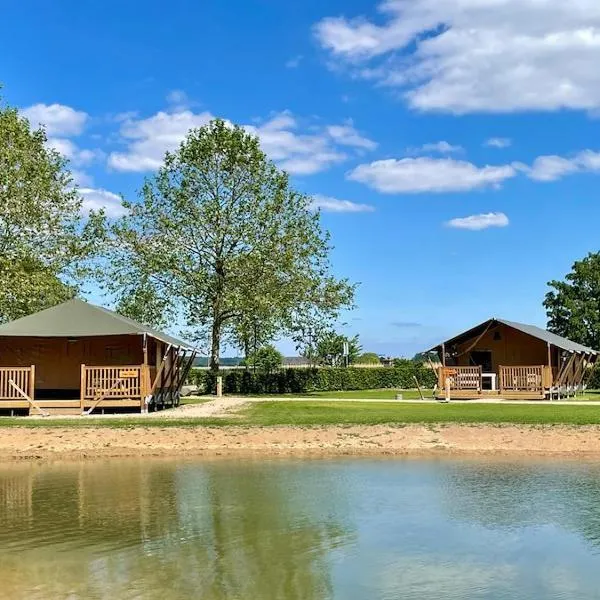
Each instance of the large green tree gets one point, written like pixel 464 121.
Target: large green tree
pixel 42 235
pixel 225 244
pixel 573 305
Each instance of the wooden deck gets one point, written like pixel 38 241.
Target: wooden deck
pixel 487 394
pixel 529 382
pixel 102 389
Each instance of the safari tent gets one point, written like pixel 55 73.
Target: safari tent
pixel 500 358
pixel 77 358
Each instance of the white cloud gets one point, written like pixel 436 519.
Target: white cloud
pixel 442 147
pixel 474 55
pixel 498 142
pixel 478 222
pixel 72 152
pixel 95 199
pixel 425 174
pixel 178 100
pixel 59 120
pixel 294 63
pixel 297 152
pixel 346 135
pixel 329 204
pixel 149 139
pixel 552 167
pixel 81 178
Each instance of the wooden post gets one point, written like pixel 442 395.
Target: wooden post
pixel 551 378
pixel 578 375
pixel 144 386
pixel 443 355
pixel 219 386
pixel 418 387
pixel 32 382
pixel 447 389
pixel 82 389
pixel 145 348
pixel 158 353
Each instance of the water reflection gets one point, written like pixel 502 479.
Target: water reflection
pixel 213 530
pixel 524 494
pixel 340 529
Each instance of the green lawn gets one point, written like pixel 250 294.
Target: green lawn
pixel 385 394
pixel 368 413
pixel 322 412
pixel 382 394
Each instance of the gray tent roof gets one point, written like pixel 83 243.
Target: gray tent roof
pixel 532 330
pixel 77 318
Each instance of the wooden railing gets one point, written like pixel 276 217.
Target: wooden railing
pixel 21 377
pixel 460 378
pixel 111 382
pixel 522 379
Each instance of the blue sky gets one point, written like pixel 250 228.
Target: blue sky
pixel 452 144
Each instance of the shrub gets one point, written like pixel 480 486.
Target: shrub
pixel 298 381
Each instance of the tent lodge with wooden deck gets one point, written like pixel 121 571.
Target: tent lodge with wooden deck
pixel 77 358
pixel 510 360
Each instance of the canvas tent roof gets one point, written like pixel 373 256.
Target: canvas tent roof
pixel 532 330
pixel 77 318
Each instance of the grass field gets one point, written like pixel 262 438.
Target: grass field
pixel 382 394
pixel 371 412
pixel 385 394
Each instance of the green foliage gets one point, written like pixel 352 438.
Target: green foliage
pixel 144 306
pixel 573 307
pixel 328 349
pixel 265 360
pixel 224 241
pixel 368 358
pixel 298 381
pixel 594 380
pixel 42 238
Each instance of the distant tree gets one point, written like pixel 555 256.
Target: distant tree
pixel 43 238
pixel 573 306
pixel 223 240
pixel 368 358
pixel 264 360
pixel 329 349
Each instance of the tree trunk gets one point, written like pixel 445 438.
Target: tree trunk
pixel 215 345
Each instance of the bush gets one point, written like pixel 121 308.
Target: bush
pixel 298 381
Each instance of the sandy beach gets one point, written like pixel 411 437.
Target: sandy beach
pixel 18 443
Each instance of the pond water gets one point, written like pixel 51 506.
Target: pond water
pixel 300 529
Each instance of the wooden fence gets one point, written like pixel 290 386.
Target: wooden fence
pixel 460 378
pixel 522 379
pixel 22 378
pixel 111 382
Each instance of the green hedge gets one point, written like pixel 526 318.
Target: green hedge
pixel 298 381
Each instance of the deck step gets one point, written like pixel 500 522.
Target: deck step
pixel 57 410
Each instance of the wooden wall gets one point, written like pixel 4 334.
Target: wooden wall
pixel 514 348
pixel 58 361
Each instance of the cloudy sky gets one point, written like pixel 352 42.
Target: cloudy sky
pixel 451 145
